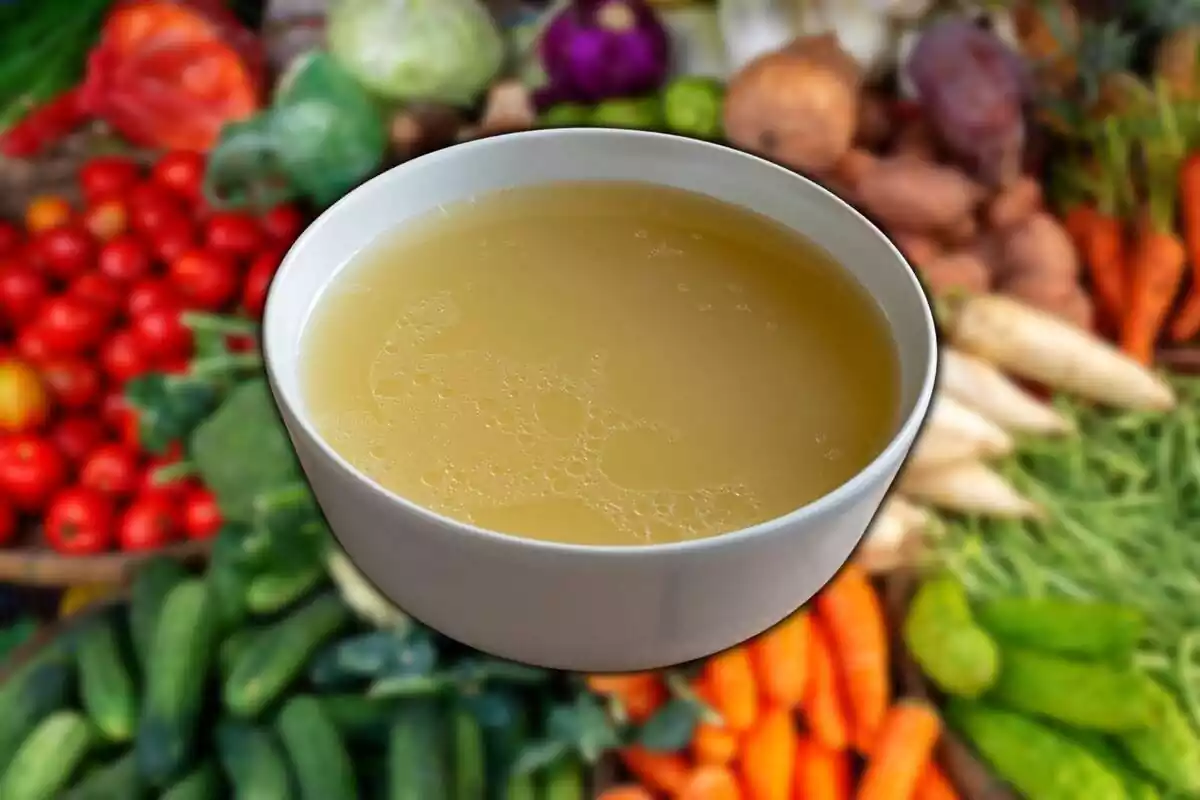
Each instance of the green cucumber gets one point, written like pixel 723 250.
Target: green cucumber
pixel 319 759
pixel 277 657
pixel 232 648
pixel 106 685
pixel 564 781
pixel 118 779
pixel 253 762
pixel 49 758
pixel 469 780
pixel 181 656
pixel 358 718
pixel 42 686
pixel 272 592
pixel 520 787
pixel 202 783
pixel 417 762
pixel 229 576
pixel 154 580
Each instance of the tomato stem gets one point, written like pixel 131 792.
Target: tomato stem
pixel 199 322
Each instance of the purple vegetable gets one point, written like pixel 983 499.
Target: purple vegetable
pixel 596 49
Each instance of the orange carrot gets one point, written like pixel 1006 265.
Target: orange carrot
pixel 1104 255
pixel 659 772
pixel 824 701
pixel 901 753
pixel 629 791
pixel 711 782
pixel 730 685
pixel 781 662
pixel 934 785
pixel 768 758
pixel 821 773
pixel 1078 222
pixel 713 744
pixel 857 629
pixel 1187 322
pixel 641 693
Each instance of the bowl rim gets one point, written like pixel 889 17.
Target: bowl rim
pixel 838 498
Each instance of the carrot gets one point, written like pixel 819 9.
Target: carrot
pixel 659 772
pixel 901 753
pixel 824 703
pixel 851 608
pixel 780 661
pixel 640 693
pixel 768 758
pixel 1104 247
pixel 821 773
pixel 730 685
pixel 713 744
pixel 934 785
pixel 1187 321
pixel 629 791
pixel 711 782
pixel 1078 222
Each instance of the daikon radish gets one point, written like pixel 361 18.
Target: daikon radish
pixel 978 385
pixel 1032 344
pixel 895 536
pixel 953 433
pixel 968 487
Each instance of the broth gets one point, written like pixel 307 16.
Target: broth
pixel 601 363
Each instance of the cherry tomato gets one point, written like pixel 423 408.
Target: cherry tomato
pixel 124 259
pixel 120 417
pixel 151 207
pixel 153 482
pixel 46 212
pixel 106 218
pixel 33 344
pixel 74 383
pixel 240 344
pixel 66 251
pixel 161 333
pixel 149 524
pixel 258 281
pixel 182 172
pixel 173 239
pixel 8 523
pixel 24 401
pixel 123 357
pixel 31 470
pixel 205 279
pixel 112 469
pixel 10 238
pixel 71 325
pixel 201 514
pixel 22 290
pixel 150 294
pixel 76 437
pixel 235 235
pixel 108 176
pixel 283 223
pixel 101 292
pixel 79 522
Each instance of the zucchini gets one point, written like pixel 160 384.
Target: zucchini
pixel 253 762
pixel 417 762
pixel 564 781
pixel 109 781
pixel 42 686
pixel 154 580
pixel 202 783
pixel 275 591
pixel 181 656
pixel 105 683
pixel 318 757
pixel 468 756
pixel 275 659
pixel 49 758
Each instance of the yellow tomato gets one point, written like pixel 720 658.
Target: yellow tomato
pixel 45 212
pixel 24 402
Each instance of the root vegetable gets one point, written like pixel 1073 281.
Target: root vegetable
pixel 916 141
pixel 1015 204
pixel 1032 344
pixel 968 487
pixel 797 106
pixel 1040 246
pixel 874 124
pixel 509 108
pixel 962 233
pixel 980 386
pixel 961 271
pixel 953 432
pixel 423 128
pixel 1048 293
pixel 918 196
pixel 917 248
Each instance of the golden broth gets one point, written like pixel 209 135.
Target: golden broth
pixel 601 363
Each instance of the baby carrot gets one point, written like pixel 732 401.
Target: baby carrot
pixel 732 689
pixel 934 785
pixel 713 744
pixel 629 791
pixel 780 661
pixel 901 753
pixel 1187 321
pixel 768 758
pixel 660 772
pixel 711 782
pixel 641 693
pixel 824 703
pixel 821 773
pixel 857 629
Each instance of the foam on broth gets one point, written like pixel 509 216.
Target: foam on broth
pixel 601 363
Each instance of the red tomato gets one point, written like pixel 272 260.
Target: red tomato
pixel 173 239
pixel 66 251
pixel 235 235
pixel 71 325
pixel 258 281
pixel 124 259
pixel 153 483
pixel 106 218
pixel 33 344
pixel 151 522
pixel 151 207
pixel 8 523
pixel 104 293
pixel 10 238
pixel 31 470
pixel 161 333
pixel 181 172
pixel 283 223
pixel 108 176
pixel 112 469
pixel 201 515
pixel 22 289
pixel 24 402
pixel 74 382
pixel 240 344
pixel 120 417
pixel 150 294
pixel 76 437
pixel 79 522
pixel 205 279
pixel 123 357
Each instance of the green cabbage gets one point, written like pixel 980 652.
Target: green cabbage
pixel 445 51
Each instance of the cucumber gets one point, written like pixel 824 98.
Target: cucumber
pixel 49 758
pixel 43 686
pixel 468 756
pixel 105 683
pixel 272 592
pixel 181 656
pixel 358 718
pixel 318 757
pixel 109 781
pixel 232 648
pixel 417 763
pixel 253 761
pixel 519 787
pixel 202 783
pixel 275 659
pixel 564 781
pixel 154 580
pixel 505 724
pixel 229 577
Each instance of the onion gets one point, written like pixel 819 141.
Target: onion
pixel 598 49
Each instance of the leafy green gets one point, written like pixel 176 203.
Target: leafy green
pixel 671 727
pixel 168 407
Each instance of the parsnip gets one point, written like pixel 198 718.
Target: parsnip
pixel 968 487
pixel 953 433
pixel 895 535
pixel 1035 345
pixel 980 386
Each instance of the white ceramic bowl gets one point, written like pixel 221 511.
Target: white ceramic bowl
pixel 596 609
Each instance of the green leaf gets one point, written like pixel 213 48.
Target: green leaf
pixel 167 408
pixel 584 727
pixel 671 727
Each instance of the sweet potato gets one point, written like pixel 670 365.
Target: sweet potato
pixel 915 195
pixel 961 233
pixel 957 271
pixel 1015 204
pixel 915 139
pixel 1040 247
pixel 917 248
pixel 874 122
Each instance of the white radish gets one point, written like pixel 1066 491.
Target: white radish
pixel 894 538
pixel 968 487
pixel 1034 345
pixel 980 386
pixel 953 432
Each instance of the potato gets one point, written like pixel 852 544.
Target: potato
pixel 909 194
pixel 1015 204
pixel 1040 247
